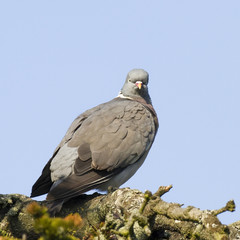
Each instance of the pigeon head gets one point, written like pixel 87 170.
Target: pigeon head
pixel 135 85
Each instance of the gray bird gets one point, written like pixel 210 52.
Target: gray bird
pixel 103 147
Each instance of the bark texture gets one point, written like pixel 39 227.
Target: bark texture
pixel 124 214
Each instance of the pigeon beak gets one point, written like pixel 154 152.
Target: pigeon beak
pixel 139 84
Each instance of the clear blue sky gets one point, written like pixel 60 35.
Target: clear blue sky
pixel 59 58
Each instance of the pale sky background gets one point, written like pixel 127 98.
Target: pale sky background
pixel 60 58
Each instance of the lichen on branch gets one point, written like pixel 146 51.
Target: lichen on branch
pixel 121 214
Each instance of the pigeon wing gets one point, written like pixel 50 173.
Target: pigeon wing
pixel 44 182
pixel 107 142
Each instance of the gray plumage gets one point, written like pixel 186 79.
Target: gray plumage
pixel 103 147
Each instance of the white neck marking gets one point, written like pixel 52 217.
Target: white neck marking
pixel 120 95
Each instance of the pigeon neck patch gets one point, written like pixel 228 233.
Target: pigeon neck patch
pixel 120 95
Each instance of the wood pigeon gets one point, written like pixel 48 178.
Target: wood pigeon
pixel 103 147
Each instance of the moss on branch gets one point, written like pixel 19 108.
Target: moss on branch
pixel 121 214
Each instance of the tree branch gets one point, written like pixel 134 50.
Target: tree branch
pixel 124 214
